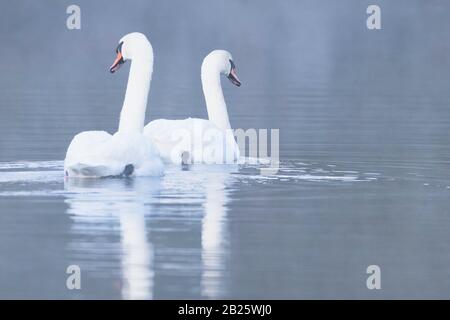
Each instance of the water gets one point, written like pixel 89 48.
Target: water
pixel 364 176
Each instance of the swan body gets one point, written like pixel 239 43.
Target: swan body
pixel 192 140
pixel 100 154
pixel 203 141
pixel 128 151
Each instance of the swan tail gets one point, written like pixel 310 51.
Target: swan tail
pixel 83 170
pixel 128 170
pixel 186 158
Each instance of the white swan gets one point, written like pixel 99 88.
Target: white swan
pixel 199 140
pixel 128 151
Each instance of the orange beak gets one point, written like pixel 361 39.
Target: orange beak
pixel 233 77
pixel 117 63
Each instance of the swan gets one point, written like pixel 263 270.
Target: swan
pixel 127 152
pixel 195 140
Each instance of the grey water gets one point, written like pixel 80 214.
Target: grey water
pixel 364 179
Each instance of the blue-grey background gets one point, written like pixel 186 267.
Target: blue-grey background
pixel 364 120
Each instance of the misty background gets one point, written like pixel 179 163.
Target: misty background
pixel 311 68
pixel 364 119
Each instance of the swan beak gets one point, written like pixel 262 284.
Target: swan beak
pixel 117 63
pixel 233 77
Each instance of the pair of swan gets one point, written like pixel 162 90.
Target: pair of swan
pixel 138 150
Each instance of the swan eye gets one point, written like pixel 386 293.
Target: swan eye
pixel 119 48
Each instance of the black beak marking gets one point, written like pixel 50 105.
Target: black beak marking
pixel 119 47
pixel 119 62
pixel 232 75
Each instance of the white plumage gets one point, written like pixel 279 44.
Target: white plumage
pixel 201 140
pixel 128 151
pixel 99 154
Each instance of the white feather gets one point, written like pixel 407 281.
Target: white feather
pixel 99 154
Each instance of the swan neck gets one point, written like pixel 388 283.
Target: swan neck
pixel 132 116
pixel 215 102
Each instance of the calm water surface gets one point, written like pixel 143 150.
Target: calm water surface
pixel 364 176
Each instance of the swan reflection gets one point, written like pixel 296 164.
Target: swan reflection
pixel 214 235
pixel 98 206
pixel 113 220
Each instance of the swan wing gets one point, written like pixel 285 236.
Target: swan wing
pixel 173 138
pixel 86 143
pixel 84 156
pixel 99 154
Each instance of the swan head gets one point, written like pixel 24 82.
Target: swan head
pixel 132 46
pixel 221 61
